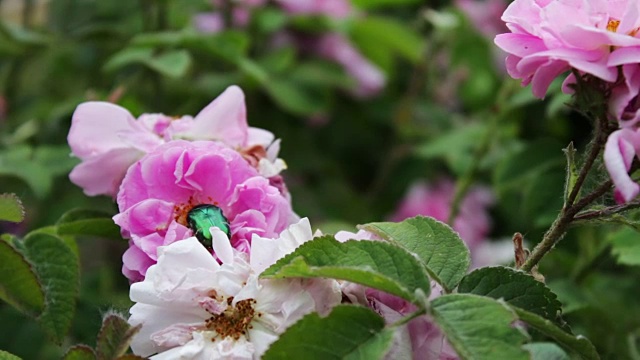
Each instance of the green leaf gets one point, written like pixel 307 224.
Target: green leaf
pixel 578 344
pixel 327 338
pixel 19 162
pixel 389 34
pixel 173 64
pixel 8 356
pixel 269 20
pixel 526 163
pixel 460 140
pixel 114 337
pixel 546 351
pixel 625 246
pixel 55 159
pixel 19 285
pixel 57 269
pixel 11 208
pixel 128 56
pixel 79 352
pixel 88 222
pixel 374 264
pixel 253 70
pixel 478 327
pixel 293 97
pixel 515 287
pixel 321 73
pixel 540 204
pixel 278 61
pixel 440 249
pixel 158 39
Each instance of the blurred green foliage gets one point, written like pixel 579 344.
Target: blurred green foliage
pixel 350 160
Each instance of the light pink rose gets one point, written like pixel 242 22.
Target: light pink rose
pixel 161 188
pixel 108 139
pixel 187 303
pixel 332 8
pixel 549 37
pixel 620 149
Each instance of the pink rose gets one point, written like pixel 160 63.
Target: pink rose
pixel 160 189
pixel 332 8
pixel 108 139
pixel 549 37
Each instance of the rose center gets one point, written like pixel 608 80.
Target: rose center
pixel 234 321
pixel 613 24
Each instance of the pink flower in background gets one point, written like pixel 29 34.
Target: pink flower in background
pixel 485 15
pixel 160 189
pixel 213 22
pixel 369 78
pixel 472 223
pixel 333 8
pixel 187 300
pixel 621 147
pixel 549 37
pixel 108 139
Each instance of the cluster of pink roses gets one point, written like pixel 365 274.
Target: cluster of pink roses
pixel 332 46
pixel 160 168
pixel 595 37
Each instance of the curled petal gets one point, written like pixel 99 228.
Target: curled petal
pixel 224 119
pixel 619 151
pixel 102 174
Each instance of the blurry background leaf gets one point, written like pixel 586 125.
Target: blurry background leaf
pixel 625 246
pixel 11 208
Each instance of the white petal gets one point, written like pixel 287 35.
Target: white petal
pixel 265 252
pixel 221 245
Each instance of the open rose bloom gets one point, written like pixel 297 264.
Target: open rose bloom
pixel 189 304
pixel 161 188
pixel 596 38
pixel 550 37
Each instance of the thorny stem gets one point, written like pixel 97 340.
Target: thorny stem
pixel 596 146
pixel 611 210
pixel 571 207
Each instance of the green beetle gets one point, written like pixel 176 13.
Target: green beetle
pixel 200 218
